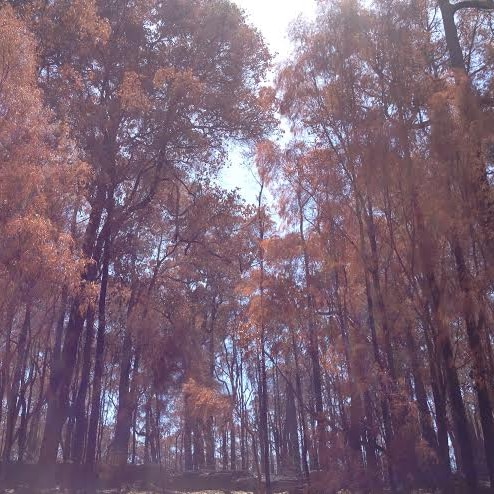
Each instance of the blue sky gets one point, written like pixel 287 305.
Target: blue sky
pixel 272 18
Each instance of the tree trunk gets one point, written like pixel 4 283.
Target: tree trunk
pixel 224 449
pixel 233 452
pixel 63 368
pixel 421 395
pixel 321 459
pixel 92 434
pixel 198 441
pixel 292 430
pixel 451 36
pixel 443 343
pixel 79 407
pixel 301 408
pixel 263 383
pixel 388 429
pixel 16 383
pixel 120 445
pixel 187 440
pixel 475 326
pixel 7 356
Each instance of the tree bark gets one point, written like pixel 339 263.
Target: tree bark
pixel 92 433
pixel 187 440
pixel 475 325
pixel 322 460
pixel 79 407
pixel 421 395
pixel 120 445
pixel 63 369
pixel 16 383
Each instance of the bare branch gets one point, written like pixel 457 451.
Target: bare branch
pixel 474 4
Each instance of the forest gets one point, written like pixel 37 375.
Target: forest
pixel 338 331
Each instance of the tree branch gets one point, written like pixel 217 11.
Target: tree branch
pixel 473 4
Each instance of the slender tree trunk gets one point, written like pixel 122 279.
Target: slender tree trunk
pixel 26 413
pixel 263 382
pixel 120 445
pixel 292 431
pixel 209 429
pixel 94 417
pixel 426 250
pixel 376 284
pixel 7 356
pixel 187 440
pixel 79 408
pixel 388 428
pixel 443 343
pixel 57 347
pixel 424 414
pixel 63 368
pixel 16 384
pixel 32 440
pixel 475 326
pixel 438 386
pixel 233 452
pixel 322 460
pixel 198 441
pixel 370 439
pixel 224 449
pixel 459 414
pixel 152 436
pixel 301 407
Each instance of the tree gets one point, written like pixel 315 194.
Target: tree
pixel 134 117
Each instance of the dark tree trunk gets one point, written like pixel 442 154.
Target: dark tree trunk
pixel 120 445
pixel 443 343
pixel 292 430
pixel 321 458
pixel 388 428
pixel 475 326
pixel 233 452
pixel 224 449
pixel 210 443
pixel 263 418
pixel 79 407
pixel 7 357
pixel 424 414
pixel 92 434
pixel 16 384
pixel 451 36
pixel 438 386
pixel 370 439
pixel 301 408
pixel 25 413
pixel 262 377
pixel 459 414
pixel 198 441
pixel 187 441
pixel 147 437
pixel 32 439
pixel 63 368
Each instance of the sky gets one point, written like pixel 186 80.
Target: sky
pixel 272 18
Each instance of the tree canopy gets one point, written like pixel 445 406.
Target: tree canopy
pixel 338 332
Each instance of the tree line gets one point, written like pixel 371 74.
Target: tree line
pixel 339 330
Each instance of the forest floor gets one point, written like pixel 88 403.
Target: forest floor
pixel 31 490
pixel 70 491
pixel 70 479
